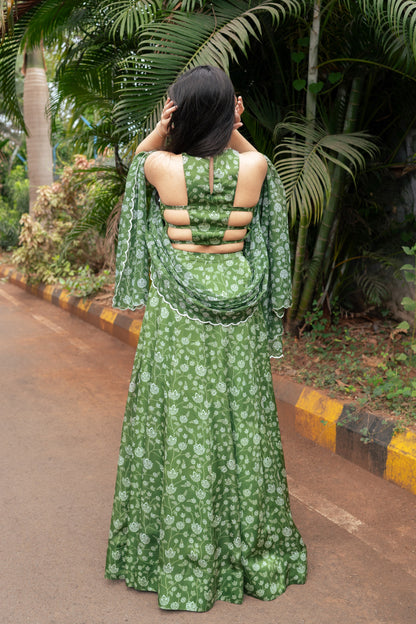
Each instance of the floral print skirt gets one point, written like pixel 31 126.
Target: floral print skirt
pixel 201 509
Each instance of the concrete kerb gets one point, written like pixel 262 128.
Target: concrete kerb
pixel 364 439
pixel 112 321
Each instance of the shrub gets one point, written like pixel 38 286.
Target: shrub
pixel 83 282
pixel 9 226
pixel 12 205
pixel 45 254
pixel 16 188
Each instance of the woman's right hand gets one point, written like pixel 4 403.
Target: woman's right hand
pixel 165 118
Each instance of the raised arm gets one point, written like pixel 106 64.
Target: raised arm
pixel 240 144
pixel 237 141
pixel 157 138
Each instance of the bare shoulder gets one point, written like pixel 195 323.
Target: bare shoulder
pixel 160 163
pixel 254 163
pixel 251 175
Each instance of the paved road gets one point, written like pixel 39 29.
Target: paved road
pixel 63 388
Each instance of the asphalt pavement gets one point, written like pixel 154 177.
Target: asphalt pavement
pixel 63 388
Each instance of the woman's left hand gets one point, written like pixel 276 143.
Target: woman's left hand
pixel 238 111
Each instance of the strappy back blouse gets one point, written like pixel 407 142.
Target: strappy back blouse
pixel 209 212
pixel 143 243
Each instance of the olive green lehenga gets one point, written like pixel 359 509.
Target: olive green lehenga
pixel 201 509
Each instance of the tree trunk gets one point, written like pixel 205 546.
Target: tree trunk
pixel 297 278
pixel 313 61
pixel 35 103
pixel 311 116
pixel 338 181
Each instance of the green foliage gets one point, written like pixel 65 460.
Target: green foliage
pixel 83 282
pixel 395 22
pixel 316 323
pixel 39 244
pixel 13 204
pixel 409 303
pixel 126 17
pixel 374 289
pixel 303 161
pixel 171 44
pixel 44 253
pixel 104 188
pixel 390 383
pixel 16 188
pixel 9 52
pixel 9 226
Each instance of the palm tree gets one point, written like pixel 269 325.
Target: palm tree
pixel 35 119
pixel 37 122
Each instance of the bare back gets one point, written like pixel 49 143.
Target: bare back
pixel 166 173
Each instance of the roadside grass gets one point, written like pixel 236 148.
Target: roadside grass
pixel 365 362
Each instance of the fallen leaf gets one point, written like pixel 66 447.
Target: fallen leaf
pixel 372 361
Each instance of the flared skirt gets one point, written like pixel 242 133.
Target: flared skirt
pixel 201 509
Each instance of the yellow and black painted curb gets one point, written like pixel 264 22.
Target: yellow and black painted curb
pixel 116 323
pixel 364 439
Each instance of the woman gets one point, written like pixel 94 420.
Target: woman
pixel 201 510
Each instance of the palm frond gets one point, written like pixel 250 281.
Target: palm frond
pixel 186 5
pixel 9 51
pixel 6 17
pixel 303 158
pixel 128 16
pixel 265 108
pixel 396 18
pixel 53 19
pixel 261 115
pixel 305 177
pixel 102 196
pixel 33 21
pixel 11 11
pixel 181 41
pixel 90 77
pixel 373 287
pixel 86 85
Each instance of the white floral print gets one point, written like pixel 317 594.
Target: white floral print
pixel 201 510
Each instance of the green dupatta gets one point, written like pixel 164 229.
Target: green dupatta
pixel 142 241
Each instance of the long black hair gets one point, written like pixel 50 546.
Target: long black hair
pixel 203 121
